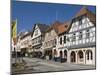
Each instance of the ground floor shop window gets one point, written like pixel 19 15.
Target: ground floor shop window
pixel 73 56
pixel 61 54
pixel 55 52
pixel 80 56
pixel 89 54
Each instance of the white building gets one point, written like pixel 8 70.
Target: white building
pixel 25 43
pixel 38 37
pixel 79 38
pixel 51 42
pixel 62 50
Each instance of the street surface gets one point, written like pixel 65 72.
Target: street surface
pixel 36 65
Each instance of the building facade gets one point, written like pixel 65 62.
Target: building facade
pixel 25 43
pixel 50 41
pixel 38 38
pixel 62 50
pixel 73 41
pixel 79 40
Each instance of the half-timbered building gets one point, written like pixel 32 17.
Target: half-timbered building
pixel 79 41
pixel 37 38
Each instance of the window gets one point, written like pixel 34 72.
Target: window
pixel 80 36
pixel 55 52
pixel 68 39
pixel 89 55
pixel 87 34
pixel 64 39
pixel 65 53
pixel 73 37
pixel 36 32
pixel 55 42
pixel 60 40
pixel 80 54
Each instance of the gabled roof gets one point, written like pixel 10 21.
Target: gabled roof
pixel 63 28
pixel 59 27
pixel 88 13
pixel 84 11
pixel 26 34
pixel 54 26
pixel 42 27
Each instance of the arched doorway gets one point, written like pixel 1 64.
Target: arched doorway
pixel 65 55
pixel 73 57
pixel 89 57
pixel 50 54
pixel 80 57
pixel 61 54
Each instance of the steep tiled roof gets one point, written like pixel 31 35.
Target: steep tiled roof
pixel 63 28
pixel 84 11
pixel 88 13
pixel 59 27
pixel 54 26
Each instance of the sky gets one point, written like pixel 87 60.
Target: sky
pixel 29 13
